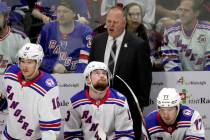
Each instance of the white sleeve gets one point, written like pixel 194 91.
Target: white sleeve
pixel 49 113
pixel 123 123
pixel 170 54
pixel 72 125
pixel 196 129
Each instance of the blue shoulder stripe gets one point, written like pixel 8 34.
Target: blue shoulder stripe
pixel 11 76
pixel 115 101
pixel 79 96
pixel 7 135
pixel 73 134
pixel 126 133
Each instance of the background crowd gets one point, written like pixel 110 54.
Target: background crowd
pixel 73 27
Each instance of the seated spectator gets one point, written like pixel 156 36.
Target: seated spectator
pixel 134 20
pixel 186 44
pixel 11 40
pixel 65 42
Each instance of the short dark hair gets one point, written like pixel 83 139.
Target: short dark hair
pixel 68 4
pixel 197 4
pixel 118 6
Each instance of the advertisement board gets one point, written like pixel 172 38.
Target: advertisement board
pixel 194 88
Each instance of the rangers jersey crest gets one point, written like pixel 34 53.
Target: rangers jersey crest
pixel 71 50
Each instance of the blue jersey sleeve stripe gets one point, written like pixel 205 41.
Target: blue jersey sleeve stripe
pixel 5 133
pixel 81 104
pixel 39 92
pixel 48 129
pixel 121 105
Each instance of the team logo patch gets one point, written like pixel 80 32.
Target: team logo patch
pixel 187 112
pixel 202 39
pixel 50 83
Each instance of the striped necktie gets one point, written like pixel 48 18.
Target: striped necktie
pixel 112 57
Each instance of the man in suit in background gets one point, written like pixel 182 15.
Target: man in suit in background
pixel 131 61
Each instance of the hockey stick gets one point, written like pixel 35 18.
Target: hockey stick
pixel 137 104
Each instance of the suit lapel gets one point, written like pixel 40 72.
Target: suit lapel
pixel 122 52
pixel 101 47
pixel 103 42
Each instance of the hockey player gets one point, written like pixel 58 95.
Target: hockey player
pixel 11 40
pixel 98 112
pixel 173 121
pixel 66 42
pixel 33 98
pixel 186 45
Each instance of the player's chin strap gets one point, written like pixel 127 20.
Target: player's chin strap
pixel 137 104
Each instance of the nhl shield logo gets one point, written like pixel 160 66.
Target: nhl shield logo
pixel 50 83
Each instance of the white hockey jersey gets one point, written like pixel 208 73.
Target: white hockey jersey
pixel 90 120
pixel 181 52
pixel 9 46
pixel 33 106
pixel 189 125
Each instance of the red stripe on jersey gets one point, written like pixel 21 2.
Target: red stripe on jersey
pixel 50 125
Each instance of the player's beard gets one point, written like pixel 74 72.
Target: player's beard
pixel 101 85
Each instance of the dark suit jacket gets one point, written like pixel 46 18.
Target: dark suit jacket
pixel 133 65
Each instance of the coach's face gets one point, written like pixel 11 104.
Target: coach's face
pixel 115 22
pixel 64 15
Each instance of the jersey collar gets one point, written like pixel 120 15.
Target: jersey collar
pixel 28 83
pixel 98 102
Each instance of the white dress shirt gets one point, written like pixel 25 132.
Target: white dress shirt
pixel 108 49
